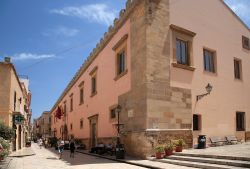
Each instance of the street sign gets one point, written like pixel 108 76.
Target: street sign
pixel 18 119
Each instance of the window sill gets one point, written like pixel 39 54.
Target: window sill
pixel 197 131
pixel 120 75
pixel 238 80
pixel 81 103
pixel 186 67
pixel 93 94
pixel 210 73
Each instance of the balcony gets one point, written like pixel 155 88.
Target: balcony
pixel 18 109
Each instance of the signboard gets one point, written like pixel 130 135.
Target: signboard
pixel 18 119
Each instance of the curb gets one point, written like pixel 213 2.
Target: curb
pixel 121 161
pixel 19 156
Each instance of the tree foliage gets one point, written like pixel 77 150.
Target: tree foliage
pixel 6 132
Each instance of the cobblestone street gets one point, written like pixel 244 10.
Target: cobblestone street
pixel 48 159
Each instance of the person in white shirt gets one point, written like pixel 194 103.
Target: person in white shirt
pixel 40 142
pixel 60 144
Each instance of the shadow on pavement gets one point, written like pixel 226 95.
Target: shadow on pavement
pixel 79 158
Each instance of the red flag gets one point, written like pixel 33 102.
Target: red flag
pixel 58 113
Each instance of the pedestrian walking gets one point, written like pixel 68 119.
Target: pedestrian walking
pixel 72 148
pixel 46 143
pixel 60 147
pixel 1 147
pixel 40 143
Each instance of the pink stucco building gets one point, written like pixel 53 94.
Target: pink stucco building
pixel 154 62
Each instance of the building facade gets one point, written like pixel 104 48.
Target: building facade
pixel 42 126
pixel 155 62
pixel 15 99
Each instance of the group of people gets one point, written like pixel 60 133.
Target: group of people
pixel 43 142
pixel 61 145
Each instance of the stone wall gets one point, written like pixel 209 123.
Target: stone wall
pixel 167 107
pixel 152 103
pixel 141 144
pixel 247 137
pixel 135 100
pixel 241 135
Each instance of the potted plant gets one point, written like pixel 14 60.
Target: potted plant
pixel 158 151
pixel 179 145
pixel 3 154
pixel 169 149
pixel 4 148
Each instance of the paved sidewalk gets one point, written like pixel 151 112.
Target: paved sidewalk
pixel 48 159
pixel 237 150
pixel 5 163
pixel 26 151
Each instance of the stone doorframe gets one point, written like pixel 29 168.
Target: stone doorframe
pixel 93 120
pixel 19 137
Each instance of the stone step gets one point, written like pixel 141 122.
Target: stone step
pixel 196 164
pixel 213 156
pixel 237 163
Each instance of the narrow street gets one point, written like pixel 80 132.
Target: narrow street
pixel 48 159
pixel 36 158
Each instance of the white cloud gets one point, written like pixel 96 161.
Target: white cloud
pixel 99 13
pixel 241 8
pixel 30 56
pixel 61 30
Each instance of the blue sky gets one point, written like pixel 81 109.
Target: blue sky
pixel 49 40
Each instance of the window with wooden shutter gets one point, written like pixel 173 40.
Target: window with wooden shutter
pixel 240 121
pixel 209 60
pixel 196 122
pixel 245 43
pixel 237 69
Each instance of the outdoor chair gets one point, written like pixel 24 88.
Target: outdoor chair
pixel 232 139
pixel 218 141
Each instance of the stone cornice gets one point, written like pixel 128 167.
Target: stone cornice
pixel 124 38
pixel 182 30
pixel 112 30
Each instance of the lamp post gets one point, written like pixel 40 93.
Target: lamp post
pixel 118 110
pixel 209 88
pixel 119 151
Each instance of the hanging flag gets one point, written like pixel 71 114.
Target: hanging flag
pixel 58 113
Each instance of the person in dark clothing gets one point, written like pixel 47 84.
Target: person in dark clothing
pixel 72 148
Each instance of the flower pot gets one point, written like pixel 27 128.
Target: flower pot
pixel 178 149
pixel 158 155
pixel 168 152
pixel 1 158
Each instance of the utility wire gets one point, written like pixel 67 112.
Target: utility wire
pixel 58 53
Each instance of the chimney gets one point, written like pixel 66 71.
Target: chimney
pixel 7 59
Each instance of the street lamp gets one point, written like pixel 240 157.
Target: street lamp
pixel 118 110
pixel 119 151
pixel 209 88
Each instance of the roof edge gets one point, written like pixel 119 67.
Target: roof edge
pixel 112 30
pixel 237 17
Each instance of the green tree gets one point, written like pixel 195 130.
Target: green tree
pixel 6 132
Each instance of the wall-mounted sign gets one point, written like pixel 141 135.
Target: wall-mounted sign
pixel 18 119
